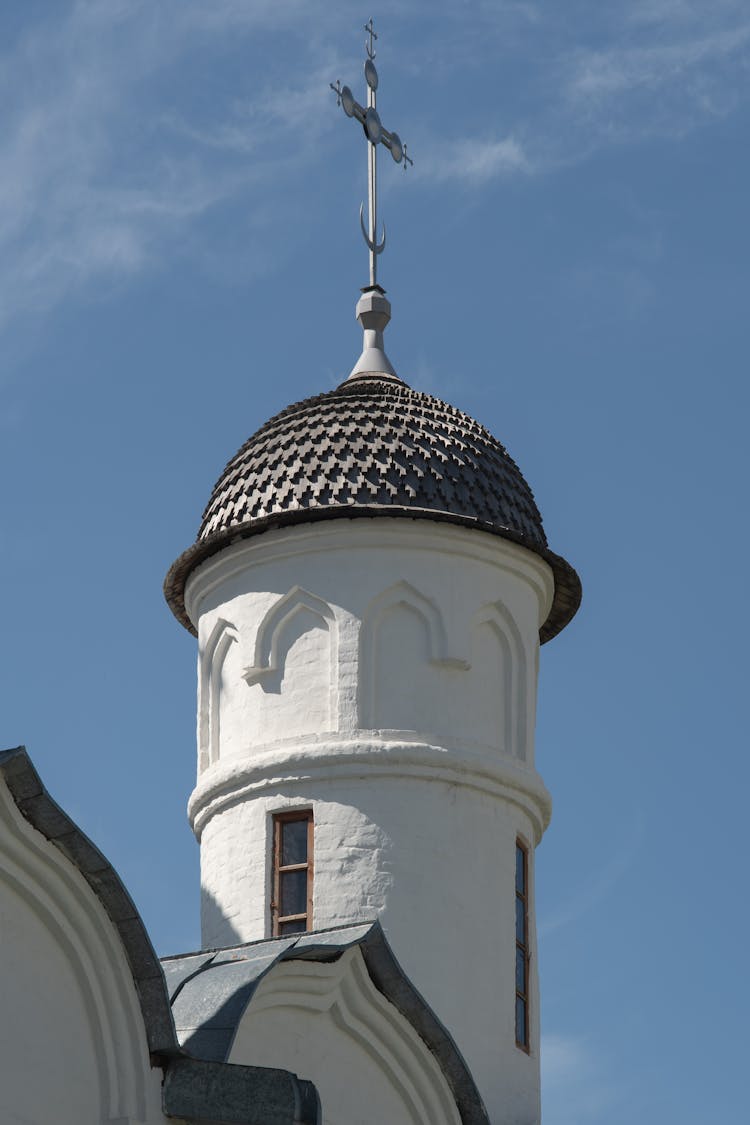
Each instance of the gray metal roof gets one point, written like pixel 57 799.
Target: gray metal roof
pixel 373 447
pixel 209 992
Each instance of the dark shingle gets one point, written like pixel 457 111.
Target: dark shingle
pixel 354 452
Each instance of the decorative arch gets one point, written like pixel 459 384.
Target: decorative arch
pixel 514 674
pixel 47 902
pixel 222 637
pixel 402 595
pixel 268 657
pixel 338 1001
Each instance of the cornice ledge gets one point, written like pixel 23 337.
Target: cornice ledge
pixel 358 533
pixel 226 783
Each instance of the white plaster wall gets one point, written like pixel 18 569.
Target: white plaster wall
pixel 72 1042
pixel 328 622
pixel 49 1062
pixel 384 675
pixel 435 861
pixel 327 1023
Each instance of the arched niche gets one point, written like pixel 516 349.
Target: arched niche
pixel 496 685
pixel 73 1042
pixel 406 676
pixel 212 691
pixel 293 677
pixel 328 1022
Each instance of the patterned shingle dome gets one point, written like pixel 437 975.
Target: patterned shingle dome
pixel 373 447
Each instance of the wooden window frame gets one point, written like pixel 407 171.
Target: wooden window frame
pixel 277 920
pixel 522 946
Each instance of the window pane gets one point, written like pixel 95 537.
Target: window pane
pixel 522 1031
pixel 520 870
pixel 293 842
pixel 520 920
pixel 293 892
pixel 520 970
pixel 297 927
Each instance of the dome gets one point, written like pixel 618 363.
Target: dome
pixel 373 447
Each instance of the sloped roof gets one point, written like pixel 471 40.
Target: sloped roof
pixel 210 991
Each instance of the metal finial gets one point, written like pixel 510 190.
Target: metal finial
pixel 375 134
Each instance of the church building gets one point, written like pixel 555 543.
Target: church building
pixel 369 588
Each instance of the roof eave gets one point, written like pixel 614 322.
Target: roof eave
pixel 567 584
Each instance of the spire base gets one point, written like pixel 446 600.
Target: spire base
pixel 373 312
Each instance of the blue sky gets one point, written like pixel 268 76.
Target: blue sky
pixel 567 261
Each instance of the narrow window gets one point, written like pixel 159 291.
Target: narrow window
pixel 522 946
pixel 291 901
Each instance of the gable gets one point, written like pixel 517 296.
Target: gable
pixel 72 1037
pixel 336 1006
pixel 328 1023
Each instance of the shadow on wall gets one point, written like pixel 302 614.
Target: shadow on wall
pixel 214 920
pixel 370 841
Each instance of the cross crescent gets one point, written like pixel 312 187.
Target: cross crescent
pixel 370 29
pixel 375 134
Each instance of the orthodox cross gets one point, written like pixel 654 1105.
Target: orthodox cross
pixel 375 134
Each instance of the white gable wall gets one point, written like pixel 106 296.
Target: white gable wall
pixel 72 1038
pixel 328 1023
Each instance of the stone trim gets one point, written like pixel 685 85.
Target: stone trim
pixel 388 977
pixel 395 754
pixel 35 804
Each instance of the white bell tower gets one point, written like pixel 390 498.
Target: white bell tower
pixel 369 588
pixel 367 685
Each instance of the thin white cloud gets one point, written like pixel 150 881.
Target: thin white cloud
pixel 577 1087
pixel 599 75
pixel 61 219
pixel 611 72
pixel 474 162
pixel 106 171
pixel 682 13
pixel 662 68
pixel 255 126
pixel 599 883
pixel 219 15
pixel 95 183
